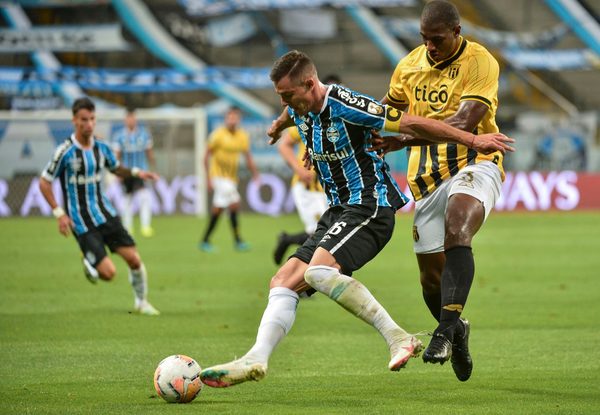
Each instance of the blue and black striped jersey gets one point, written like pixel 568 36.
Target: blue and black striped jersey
pixel 133 146
pixel 337 139
pixel 80 172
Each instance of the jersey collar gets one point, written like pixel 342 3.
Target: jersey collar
pixel 77 144
pixel 445 63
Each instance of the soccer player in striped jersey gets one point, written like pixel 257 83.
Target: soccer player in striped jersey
pixel 455 187
pixel 306 190
pixel 335 124
pixel 79 163
pixel 133 147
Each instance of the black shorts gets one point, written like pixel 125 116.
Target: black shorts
pixel 112 234
pixel 353 234
pixel 132 184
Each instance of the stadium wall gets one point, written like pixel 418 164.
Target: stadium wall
pixel 521 191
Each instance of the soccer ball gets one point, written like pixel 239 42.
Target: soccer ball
pixel 177 379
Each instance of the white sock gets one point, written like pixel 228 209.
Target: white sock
pixel 356 298
pixel 277 321
pixel 145 208
pixel 127 214
pixel 139 282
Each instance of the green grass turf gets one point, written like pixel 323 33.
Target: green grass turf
pixel 69 347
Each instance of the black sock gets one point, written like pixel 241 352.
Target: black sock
pixel 298 238
pixel 233 216
pixel 214 218
pixel 457 279
pixel 434 303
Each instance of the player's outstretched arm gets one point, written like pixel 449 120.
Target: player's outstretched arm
pixel 439 131
pixel 277 126
pixel 124 172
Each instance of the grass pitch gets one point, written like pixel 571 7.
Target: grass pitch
pixel 69 347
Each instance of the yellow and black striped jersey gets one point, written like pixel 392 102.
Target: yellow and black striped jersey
pixel 226 148
pixel 434 90
pixel 315 186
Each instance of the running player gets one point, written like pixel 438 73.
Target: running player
pixel 225 146
pixel 133 147
pixel 79 162
pixel 335 124
pixel 455 187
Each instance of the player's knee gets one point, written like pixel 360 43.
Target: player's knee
pixel 133 261
pixel 317 275
pixel 431 282
pixel 107 272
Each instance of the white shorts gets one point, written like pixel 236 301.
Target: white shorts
pixel 225 192
pixel 482 181
pixel 310 205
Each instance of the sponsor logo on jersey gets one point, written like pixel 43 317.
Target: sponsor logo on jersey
pixel 374 108
pixel 82 179
pixel 332 134
pixel 330 156
pixel 437 98
pixel 352 99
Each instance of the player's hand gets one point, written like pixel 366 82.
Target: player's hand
pixel 383 145
pixel 307 160
pixel 274 132
pixel 148 175
pixel 489 143
pixel 64 225
pixel 306 176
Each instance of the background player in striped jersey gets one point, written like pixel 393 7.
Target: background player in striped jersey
pixel 133 146
pixel 335 124
pixel 225 146
pixel 79 163
pixel 455 187
pixel 306 190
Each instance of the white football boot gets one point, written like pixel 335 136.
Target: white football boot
pixel 403 350
pixel 232 373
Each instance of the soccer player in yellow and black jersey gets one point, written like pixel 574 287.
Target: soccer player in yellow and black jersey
pixel 225 146
pixel 451 79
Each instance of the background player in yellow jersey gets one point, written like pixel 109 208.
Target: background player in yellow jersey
pixel 309 198
pixel 455 188
pixel 225 146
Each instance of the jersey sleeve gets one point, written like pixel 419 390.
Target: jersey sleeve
pixel 481 83
pixel 395 92
pixel 213 140
pixel 57 163
pixel 115 141
pixel 245 142
pixel 357 108
pixel 110 160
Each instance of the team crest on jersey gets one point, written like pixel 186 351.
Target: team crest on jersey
pixel 374 108
pixel 332 134
pixel 453 71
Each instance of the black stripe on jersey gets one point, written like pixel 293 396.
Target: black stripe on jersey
pixel 422 165
pixel 471 156
pixel 82 202
pixel 478 98
pixel 451 155
pixel 99 165
pixel 435 165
